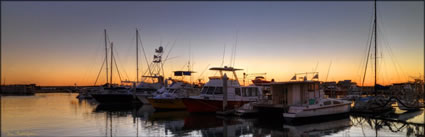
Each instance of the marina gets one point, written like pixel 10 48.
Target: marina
pixel 208 69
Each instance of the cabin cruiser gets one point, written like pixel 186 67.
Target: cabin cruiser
pixel 217 95
pixel 171 97
pixel 318 108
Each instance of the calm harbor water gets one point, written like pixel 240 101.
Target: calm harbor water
pixel 61 114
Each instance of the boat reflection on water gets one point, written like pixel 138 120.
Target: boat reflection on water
pixel 390 126
pixel 317 129
pixel 212 125
pixel 182 123
pixel 172 121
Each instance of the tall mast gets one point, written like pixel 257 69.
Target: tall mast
pixel 137 56
pixel 112 56
pixel 376 49
pixel 106 57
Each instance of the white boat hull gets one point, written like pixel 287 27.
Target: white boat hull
pixel 319 111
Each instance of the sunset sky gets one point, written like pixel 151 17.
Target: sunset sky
pixel 62 43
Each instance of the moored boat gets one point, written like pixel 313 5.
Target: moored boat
pixel 171 97
pixel 212 95
pixel 320 108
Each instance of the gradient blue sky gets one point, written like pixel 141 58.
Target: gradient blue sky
pixel 61 43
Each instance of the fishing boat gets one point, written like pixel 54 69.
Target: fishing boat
pixel 217 95
pixel 171 97
pixel 154 80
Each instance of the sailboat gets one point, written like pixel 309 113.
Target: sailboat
pixel 113 93
pixel 378 103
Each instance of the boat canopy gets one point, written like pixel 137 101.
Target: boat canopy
pixel 183 73
pixel 225 68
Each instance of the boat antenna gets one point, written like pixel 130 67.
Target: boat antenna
pixel 317 64
pixel 200 75
pixel 328 71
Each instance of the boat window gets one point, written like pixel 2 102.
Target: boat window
pixel 238 91
pixel 218 90
pixel 244 91
pixel 311 87
pixel 336 102
pixel 255 91
pixel 249 92
pixel 204 90
pixel 210 90
pixel 327 102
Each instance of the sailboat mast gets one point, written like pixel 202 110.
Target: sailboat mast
pixel 112 56
pixel 376 49
pixel 106 57
pixel 137 56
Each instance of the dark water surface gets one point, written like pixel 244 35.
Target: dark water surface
pixel 61 114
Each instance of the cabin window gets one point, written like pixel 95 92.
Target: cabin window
pixel 255 91
pixel 204 90
pixel 336 102
pixel 249 92
pixel 210 90
pixel 244 92
pixel 310 87
pixel 218 90
pixel 327 102
pixel 238 91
